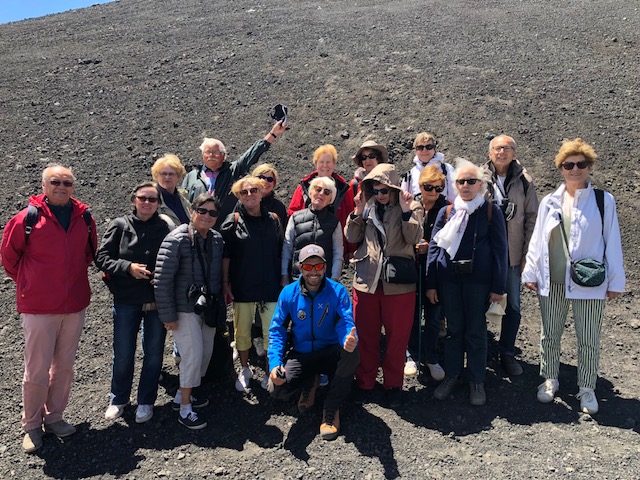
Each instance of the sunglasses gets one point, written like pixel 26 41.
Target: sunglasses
pixel 307 267
pixel 470 181
pixel 363 157
pixel 268 179
pixel 425 147
pixel 581 165
pixel 252 191
pixel 430 188
pixel 376 191
pixel 56 183
pixel 203 211
pixel 505 148
pixel 319 189
pixel 144 199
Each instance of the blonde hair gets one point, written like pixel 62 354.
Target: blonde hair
pixel 576 146
pixel 321 150
pixel 432 174
pixel 265 168
pixel 252 181
pixel 168 160
pixel 424 137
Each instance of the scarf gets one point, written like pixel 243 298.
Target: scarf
pixel 450 236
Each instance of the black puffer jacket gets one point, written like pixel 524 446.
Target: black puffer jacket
pixel 177 268
pixel 130 240
pixel 314 226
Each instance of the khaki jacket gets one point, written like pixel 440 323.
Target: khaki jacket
pixel 399 236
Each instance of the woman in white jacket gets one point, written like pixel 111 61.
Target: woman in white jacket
pixel 590 233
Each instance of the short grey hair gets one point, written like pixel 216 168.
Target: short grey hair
pixel 482 173
pixel 55 165
pixel 507 137
pixel 328 183
pixel 209 142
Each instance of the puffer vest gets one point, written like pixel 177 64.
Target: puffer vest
pixel 313 227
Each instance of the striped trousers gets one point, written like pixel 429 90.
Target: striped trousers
pixel 588 316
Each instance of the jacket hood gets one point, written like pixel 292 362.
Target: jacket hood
pixel 386 174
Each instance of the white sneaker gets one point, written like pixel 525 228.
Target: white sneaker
pixel 588 401
pixel 114 411
pixel 235 351
pixel 258 344
pixel 436 371
pixel 242 383
pixel 265 381
pixel 410 367
pixel 547 390
pixel 144 413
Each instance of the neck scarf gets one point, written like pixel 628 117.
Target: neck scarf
pixel 450 236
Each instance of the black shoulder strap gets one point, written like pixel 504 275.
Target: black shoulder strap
pixel 88 220
pixel 443 167
pixel 600 202
pixel 30 220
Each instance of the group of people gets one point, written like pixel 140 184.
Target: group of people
pixel 439 244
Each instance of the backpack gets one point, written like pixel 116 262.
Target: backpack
pixel 32 218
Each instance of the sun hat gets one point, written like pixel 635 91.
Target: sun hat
pixel 372 145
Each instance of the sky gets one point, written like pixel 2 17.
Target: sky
pixel 14 10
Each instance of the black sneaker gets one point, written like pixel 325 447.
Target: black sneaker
pixel 510 365
pixel 394 397
pixel 195 403
pixel 445 388
pixel 192 422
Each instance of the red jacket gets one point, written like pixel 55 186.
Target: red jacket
pixel 344 199
pixel 51 270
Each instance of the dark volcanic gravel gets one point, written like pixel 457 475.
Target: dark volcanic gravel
pixel 110 88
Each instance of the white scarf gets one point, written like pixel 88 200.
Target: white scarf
pixel 450 236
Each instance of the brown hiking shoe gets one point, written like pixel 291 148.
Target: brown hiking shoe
pixel 308 396
pixel 330 427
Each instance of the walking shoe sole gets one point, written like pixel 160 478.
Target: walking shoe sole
pixel 191 427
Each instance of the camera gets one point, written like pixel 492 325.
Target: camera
pixel 200 294
pixel 462 267
pixel 508 209
pixel 201 305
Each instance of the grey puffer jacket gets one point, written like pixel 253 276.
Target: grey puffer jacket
pixel 178 267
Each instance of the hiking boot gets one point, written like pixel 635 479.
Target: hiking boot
pixel 436 371
pixel 477 395
pixel 547 390
pixel 144 413
pixel 588 401
pixel 32 440
pixel 308 396
pixel 192 421
pixel 510 365
pixel 60 428
pixel 445 388
pixel 394 397
pixel 410 367
pixel 242 383
pixel 330 427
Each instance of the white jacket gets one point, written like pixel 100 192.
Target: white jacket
pixel 411 181
pixel 585 241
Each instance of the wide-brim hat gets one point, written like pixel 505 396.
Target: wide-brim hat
pixel 497 310
pixel 372 145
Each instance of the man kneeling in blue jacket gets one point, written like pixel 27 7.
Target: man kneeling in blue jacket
pixel 324 340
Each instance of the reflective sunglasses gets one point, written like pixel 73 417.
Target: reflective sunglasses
pixel 56 183
pixel 431 146
pixel 252 191
pixel 307 267
pixel 203 211
pixel 470 181
pixel 430 188
pixel 363 157
pixel 319 189
pixel 144 199
pixel 581 165
pixel 268 179
pixel 376 191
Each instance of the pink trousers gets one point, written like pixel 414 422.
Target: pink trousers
pixel 50 344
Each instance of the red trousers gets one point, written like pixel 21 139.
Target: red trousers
pixel 372 311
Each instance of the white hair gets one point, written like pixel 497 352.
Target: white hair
pixel 328 183
pixel 481 172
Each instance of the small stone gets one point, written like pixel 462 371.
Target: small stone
pixel 344 134
pixel 219 471
pixel 181 455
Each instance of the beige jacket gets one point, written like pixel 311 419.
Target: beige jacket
pixel 399 236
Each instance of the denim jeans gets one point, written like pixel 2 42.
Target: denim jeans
pixel 511 319
pixel 465 305
pixel 127 320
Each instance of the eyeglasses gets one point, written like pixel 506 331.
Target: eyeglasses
pixel 268 179
pixel 506 148
pixel 376 191
pixel 144 199
pixel 363 157
pixel 56 183
pixel 431 146
pixel 168 174
pixel 430 188
pixel 319 189
pixel 470 181
pixel 204 211
pixel 581 165
pixel 308 267
pixel 252 191
pixel 214 152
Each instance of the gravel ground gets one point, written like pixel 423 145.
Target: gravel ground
pixel 110 88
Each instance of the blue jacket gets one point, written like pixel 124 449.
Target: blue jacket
pixel 316 321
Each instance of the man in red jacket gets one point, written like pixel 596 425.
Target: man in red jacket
pixel 49 264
